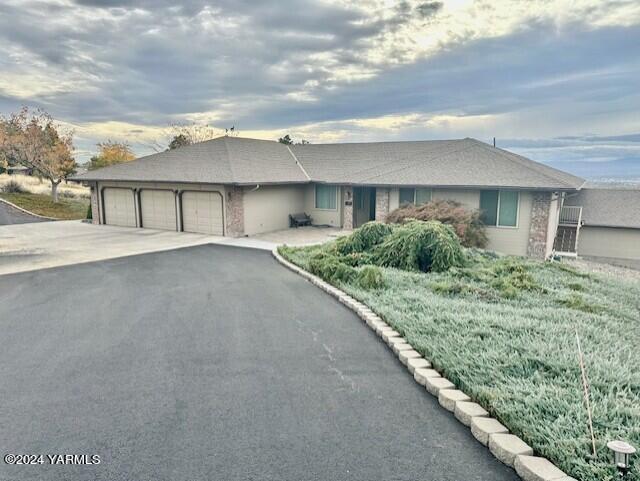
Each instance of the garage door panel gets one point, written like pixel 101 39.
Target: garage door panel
pixel 119 207
pixel 202 212
pixel 158 208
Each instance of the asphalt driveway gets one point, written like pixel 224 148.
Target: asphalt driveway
pixel 10 215
pixel 211 362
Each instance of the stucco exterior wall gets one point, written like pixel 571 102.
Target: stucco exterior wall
pixel 332 217
pixel 513 240
pixel 268 208
pixel 609 242
pixel 469 198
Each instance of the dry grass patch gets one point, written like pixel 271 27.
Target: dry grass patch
pixel 64 209
pixel 33 185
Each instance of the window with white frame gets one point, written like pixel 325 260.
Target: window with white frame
pixel 414 196
pixel 326 197
pixel 499 207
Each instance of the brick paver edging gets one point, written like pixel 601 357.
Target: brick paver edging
pixel 26 211
pixel 508 448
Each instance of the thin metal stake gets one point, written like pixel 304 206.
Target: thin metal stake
pixel 585 385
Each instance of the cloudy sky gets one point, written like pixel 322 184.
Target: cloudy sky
pixel 555 80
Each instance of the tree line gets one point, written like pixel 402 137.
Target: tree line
pixel 33 139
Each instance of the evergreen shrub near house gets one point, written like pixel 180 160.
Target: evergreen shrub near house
pixel 331 269
pixel 412 246
pixel 364 238
pixel 466 222
pixel 370 277
pixel 421 246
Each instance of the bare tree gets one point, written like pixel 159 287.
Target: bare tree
pixel 32 139
pixel 179 135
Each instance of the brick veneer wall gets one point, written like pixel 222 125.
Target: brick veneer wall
pixel 235 211
pixel 382 204
pixel 347 222
pixel 95 205
pixel 540 211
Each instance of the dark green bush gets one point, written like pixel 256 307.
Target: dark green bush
pixel 356 259
pixel 89 213
pixel 330 269
pixel 421 246
pixel 364 238
pixel 370 277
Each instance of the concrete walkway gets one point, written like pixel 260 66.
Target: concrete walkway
pixel 302 235
pixel 28 247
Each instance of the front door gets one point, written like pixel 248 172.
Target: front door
pixel 364 205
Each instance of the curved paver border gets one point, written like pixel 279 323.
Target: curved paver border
pixel 11 204
pixel 508 449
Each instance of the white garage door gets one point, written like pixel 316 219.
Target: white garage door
pixel 202 212
pixel 158 208
pixel 119 207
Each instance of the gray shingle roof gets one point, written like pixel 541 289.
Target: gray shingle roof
pixel 225 160
pixel 608 205
pixel 232 160
pixel 465 162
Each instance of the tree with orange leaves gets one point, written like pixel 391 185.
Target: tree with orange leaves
pixel 33 139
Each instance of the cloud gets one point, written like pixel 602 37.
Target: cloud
pixel 329 70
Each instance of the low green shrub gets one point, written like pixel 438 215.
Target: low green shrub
pixel 575 286
pixel 512 276
pixel 364 238
pixel 330 269
pixel 356 259
pixel 454 288
pixel 89 213
pixel 421 246
pixel 577 302
pixel 565 268
pixel 370 277
pixel 466 222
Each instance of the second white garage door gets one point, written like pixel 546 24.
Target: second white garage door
pixel 202 212
pixel 158 208
pixel 119 208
